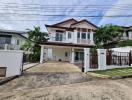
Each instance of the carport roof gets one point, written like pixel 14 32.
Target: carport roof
pixel 67 44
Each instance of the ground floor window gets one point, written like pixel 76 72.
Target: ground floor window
pixel 79 56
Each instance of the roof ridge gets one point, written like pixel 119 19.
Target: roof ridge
pixel 64 21
pixel 82 21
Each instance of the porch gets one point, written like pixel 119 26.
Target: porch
pixel 65 52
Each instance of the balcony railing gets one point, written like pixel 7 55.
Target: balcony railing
pixel 83 41
pixel 9 47
pixel 57 39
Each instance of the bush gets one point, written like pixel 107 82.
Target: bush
pixel 125 43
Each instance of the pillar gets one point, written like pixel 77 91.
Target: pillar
pixel 74 36
pixel 6 47
pixel 101 59
pixel 86 59
pixel 42 54
pixel 91 37
pixel 72 56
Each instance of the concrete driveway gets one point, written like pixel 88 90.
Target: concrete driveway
pixel 52 66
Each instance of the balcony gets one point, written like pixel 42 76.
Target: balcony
pixel 9 47
pixel 83 41
pixel 57 39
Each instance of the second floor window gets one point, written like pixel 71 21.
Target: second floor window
pixel 88 35
pixel 5 40
pixel 83 35
pixel 78 35
pixel 58 37
pixel 69 35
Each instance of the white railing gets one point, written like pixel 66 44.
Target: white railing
pixel 9 47
pixel 54 39
pixel 83 41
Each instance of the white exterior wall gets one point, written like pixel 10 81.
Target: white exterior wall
pixel 59 53
pixel 50 54
pixel 11 59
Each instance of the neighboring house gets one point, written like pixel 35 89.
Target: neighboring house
pixel 12 40
pixel 127 35
pixel 68 40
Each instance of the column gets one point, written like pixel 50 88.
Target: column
pixel 6 47
pixel 74 36
pixel 91 37
pixel 72 56
pixel 101 59
pixel 86 59
pixel 42 54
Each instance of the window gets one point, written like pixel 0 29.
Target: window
pixel 66 54
pixel 78 35
pixel 88 35
pixel 18 42
pixel 79 56
pixel 69 35
pixel 83 35
pixel 58 37
pixel 5 40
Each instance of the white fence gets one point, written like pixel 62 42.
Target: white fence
pixel 102 60
pixel 12 60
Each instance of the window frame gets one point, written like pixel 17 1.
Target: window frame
pixel 82 35
pixel 69 35
pixel 78 35
pixel 88 35
pixel 58 36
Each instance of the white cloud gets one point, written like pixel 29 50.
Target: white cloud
pixel 123 21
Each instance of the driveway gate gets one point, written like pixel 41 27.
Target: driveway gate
pixel 93 59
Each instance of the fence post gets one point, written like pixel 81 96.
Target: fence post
pixel 101 59
pixel 86 59
pixel 130 58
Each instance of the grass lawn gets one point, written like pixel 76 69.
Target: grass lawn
pixel 116 72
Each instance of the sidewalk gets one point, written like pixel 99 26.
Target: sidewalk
pixel 29 65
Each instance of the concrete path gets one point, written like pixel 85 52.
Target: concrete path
pixel 29 65
pixel 53 66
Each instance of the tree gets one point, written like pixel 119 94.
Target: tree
pixel 37 36
pixel 107 33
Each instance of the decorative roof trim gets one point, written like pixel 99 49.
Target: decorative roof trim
pixel 65 21
pixel 84 21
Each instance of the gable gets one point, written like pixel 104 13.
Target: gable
pixel 84 24
pixel 66 23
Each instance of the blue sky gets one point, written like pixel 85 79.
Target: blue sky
pixel 21 22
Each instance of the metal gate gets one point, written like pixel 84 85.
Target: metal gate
pixel 93 59
pixel 118 58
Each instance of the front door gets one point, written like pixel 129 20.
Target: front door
pixel 79 56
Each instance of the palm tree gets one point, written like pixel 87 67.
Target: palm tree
pixel 37 36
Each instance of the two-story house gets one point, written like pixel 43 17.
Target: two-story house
pixel 12 40
pixel 68 40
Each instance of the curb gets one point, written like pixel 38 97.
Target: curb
pixel 121 77
pixel 108 77
pixel 99 75
pixel 7 79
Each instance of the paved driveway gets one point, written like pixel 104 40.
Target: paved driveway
pixel 53 66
